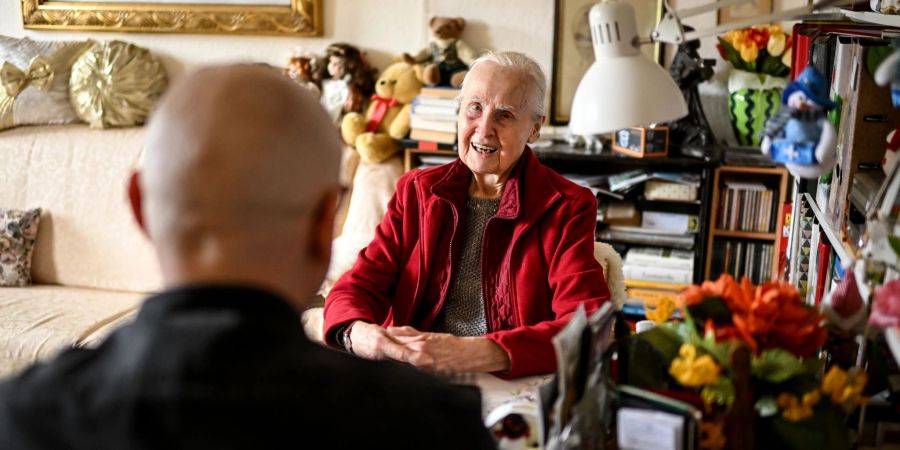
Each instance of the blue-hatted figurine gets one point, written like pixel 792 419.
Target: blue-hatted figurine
pixel 800 135
pixel 889 73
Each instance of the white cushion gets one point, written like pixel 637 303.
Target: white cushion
pixel 37 322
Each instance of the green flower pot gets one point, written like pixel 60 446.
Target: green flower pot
pixel 753 98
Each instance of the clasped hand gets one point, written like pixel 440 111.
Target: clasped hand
pixel 441 353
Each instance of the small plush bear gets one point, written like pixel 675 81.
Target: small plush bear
pixel 447 57
pixel 387 116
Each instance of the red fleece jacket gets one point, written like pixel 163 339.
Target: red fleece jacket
pixel 537 260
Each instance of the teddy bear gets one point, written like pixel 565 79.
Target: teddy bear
pixel 387 117
pixel 447 57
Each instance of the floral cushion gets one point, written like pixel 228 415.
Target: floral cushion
pixel 18 230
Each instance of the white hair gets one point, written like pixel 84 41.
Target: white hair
pixel 524 65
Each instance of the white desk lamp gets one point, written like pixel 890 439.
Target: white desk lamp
pixel 623 88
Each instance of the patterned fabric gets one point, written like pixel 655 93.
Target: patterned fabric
pixel 18 230
pixel 463 313
pixel 116 84
pixel 34 81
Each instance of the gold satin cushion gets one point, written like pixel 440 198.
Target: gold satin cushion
pixel 34 81
pixel 116 84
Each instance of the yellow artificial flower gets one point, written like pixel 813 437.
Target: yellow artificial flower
pixel 786 57
pixel 775 29
pixel 662 311
pixel 692 371
pixel 733 36
pixel 796 410
pixel 845 388
pixel 775 46
pixel 749 52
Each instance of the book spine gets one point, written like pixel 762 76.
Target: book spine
pixel 650 273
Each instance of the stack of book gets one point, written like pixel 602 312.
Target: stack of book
pixel 654 273
pixel 434 115
pixel 747 207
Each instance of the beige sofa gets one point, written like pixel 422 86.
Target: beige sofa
pixel 91 265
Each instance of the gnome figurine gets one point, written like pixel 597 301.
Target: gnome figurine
pixel 800 135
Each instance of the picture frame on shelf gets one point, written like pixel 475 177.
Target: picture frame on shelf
pixel 573 52
pixel 744 10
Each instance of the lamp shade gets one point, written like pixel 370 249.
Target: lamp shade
pixel 622 88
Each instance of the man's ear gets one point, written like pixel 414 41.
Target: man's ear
pixel 323 227
pixel 135 199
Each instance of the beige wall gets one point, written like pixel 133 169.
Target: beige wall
pixel 383 28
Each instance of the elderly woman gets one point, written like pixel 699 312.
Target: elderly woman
pixel 477 264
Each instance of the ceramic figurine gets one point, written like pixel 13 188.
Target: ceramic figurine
pixel 691 134
pixel 346 80
pixel 800 135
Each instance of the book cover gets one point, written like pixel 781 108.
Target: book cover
pixel 655 273
pixel 435 136
pixel 655 285
pixel 683 223
pixel 418 123
pixel 659 256
pixel 440 110
pixel 439 92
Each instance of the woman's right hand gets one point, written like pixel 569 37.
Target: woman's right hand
pixel 374 342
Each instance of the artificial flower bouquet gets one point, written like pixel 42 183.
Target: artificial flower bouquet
pixel 796 403
pixel 758 49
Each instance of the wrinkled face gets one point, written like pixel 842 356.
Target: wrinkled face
pixel 495 119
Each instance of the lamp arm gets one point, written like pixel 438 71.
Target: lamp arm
pixel 671 31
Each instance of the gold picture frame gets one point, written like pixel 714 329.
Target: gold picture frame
pixel 573 52
pixel 300 18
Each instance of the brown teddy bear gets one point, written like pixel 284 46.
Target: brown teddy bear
pixel 447 57
pixel 387 116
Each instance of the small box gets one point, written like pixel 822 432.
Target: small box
pixel 669 191
pixel 642 142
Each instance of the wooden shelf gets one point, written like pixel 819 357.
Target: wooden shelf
pixel 744 234
pixel 827 226
pixel 776 179
pixel 410 153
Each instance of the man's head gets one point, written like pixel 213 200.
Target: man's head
pixel 239 182
pixel 501 109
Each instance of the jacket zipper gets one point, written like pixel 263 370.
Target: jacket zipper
pixel 449 278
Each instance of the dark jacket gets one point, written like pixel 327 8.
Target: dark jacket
pixel 229 368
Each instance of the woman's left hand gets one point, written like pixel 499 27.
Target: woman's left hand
pixel 445 353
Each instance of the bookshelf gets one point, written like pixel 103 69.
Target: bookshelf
pixel 745 223
pixel 566 161
pixel 412 156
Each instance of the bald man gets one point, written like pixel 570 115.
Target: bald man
pixel 237 193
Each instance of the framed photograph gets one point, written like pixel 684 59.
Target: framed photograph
pixel 573 52
pixel 745 10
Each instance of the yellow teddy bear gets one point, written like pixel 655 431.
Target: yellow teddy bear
pixel 374 134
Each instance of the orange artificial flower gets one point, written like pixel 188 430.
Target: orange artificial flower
pixel 771 315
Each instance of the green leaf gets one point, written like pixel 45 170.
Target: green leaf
pixel 711 308
pixel 649 356
pixel 720 392
pixel 766 406
pixel 777 366
pixel 895 243
pixel 825 430
pixel 734 57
